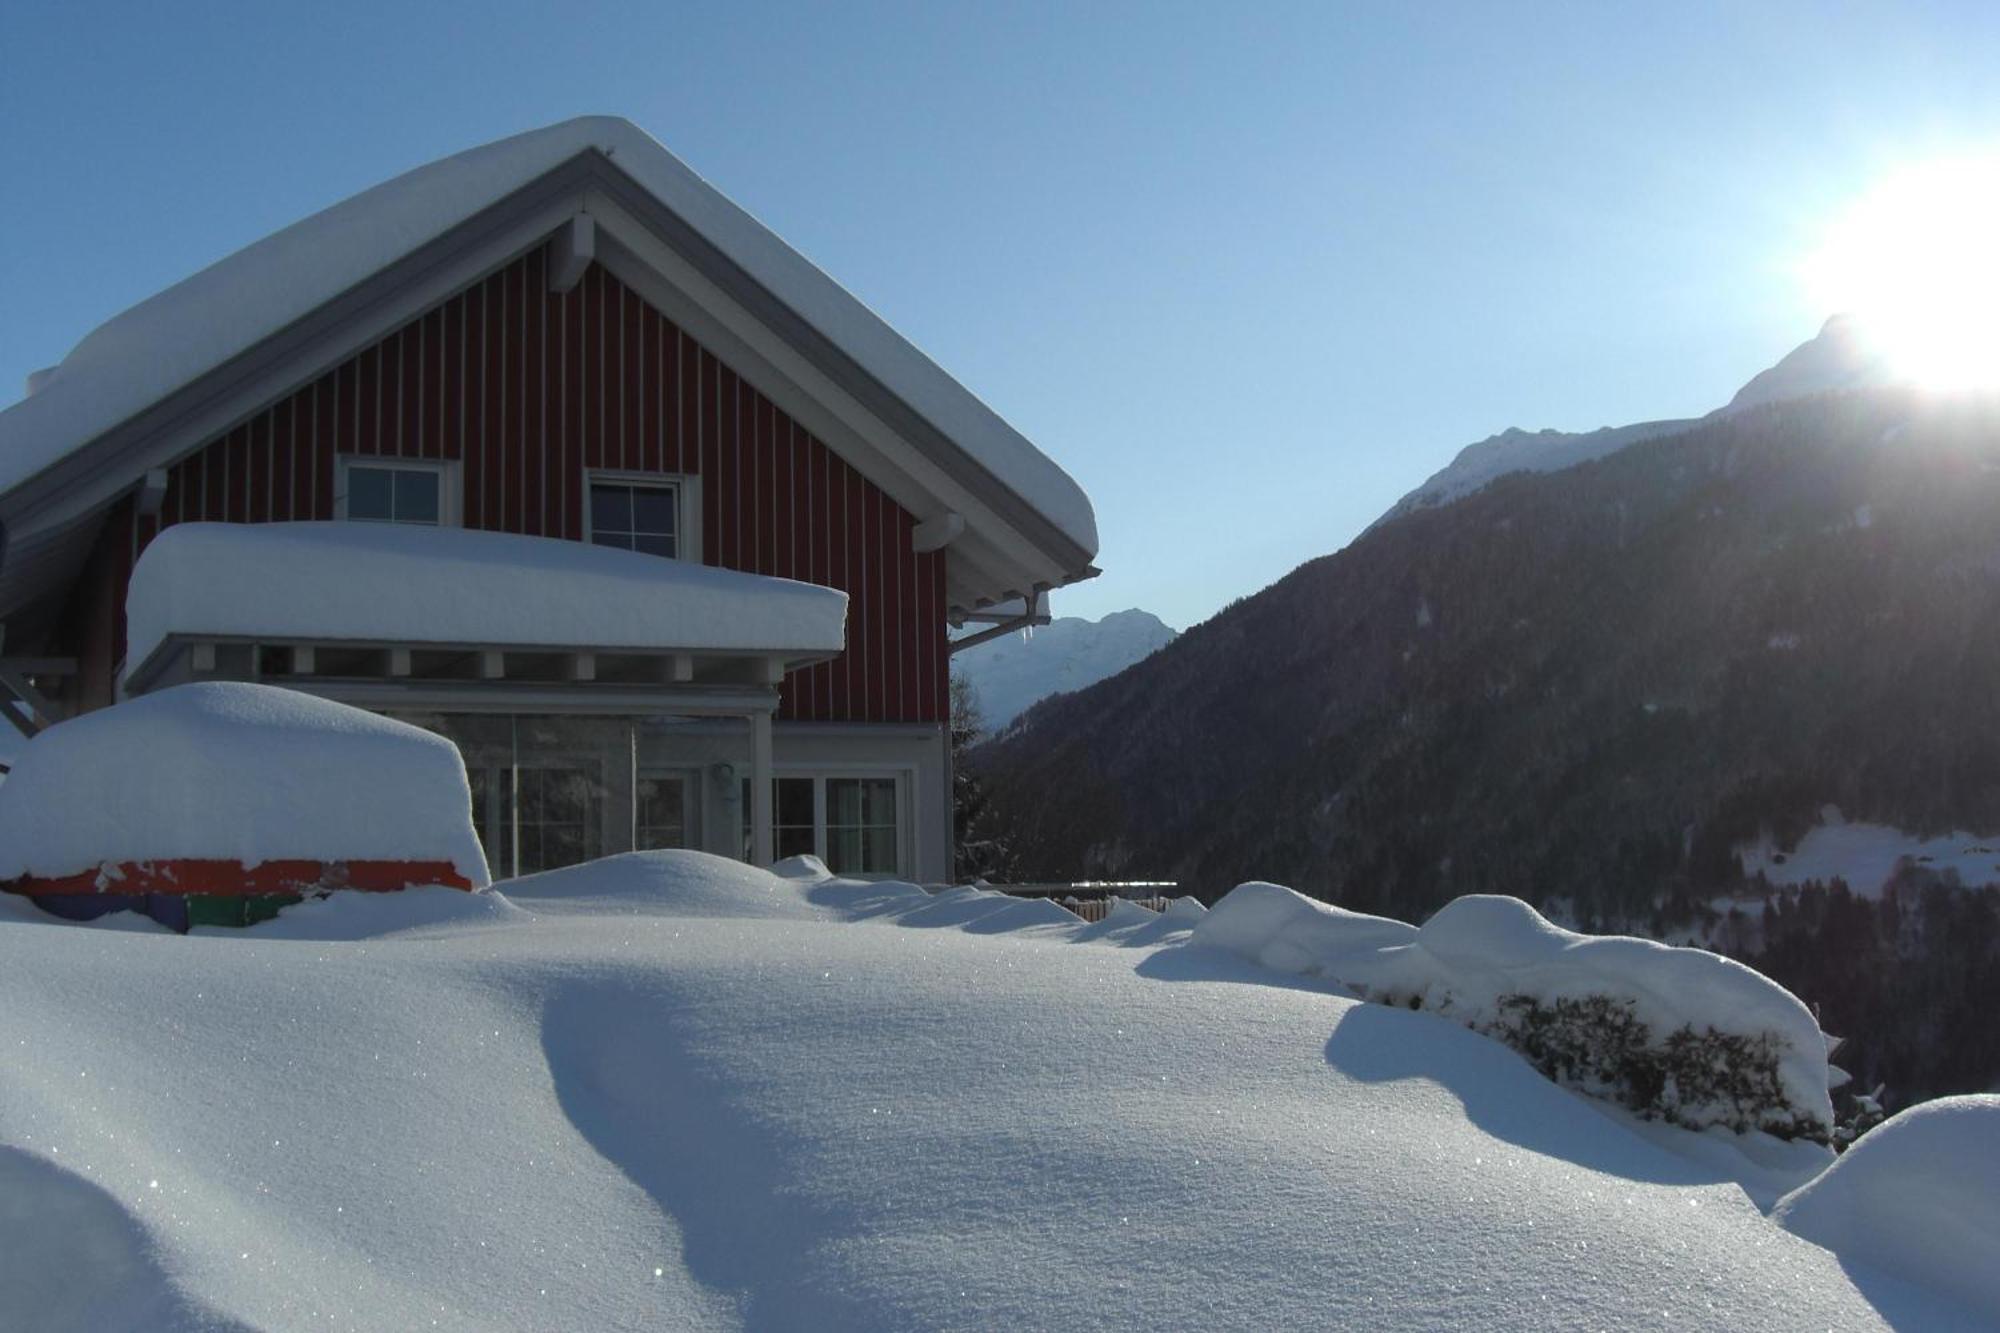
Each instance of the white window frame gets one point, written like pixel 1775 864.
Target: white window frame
pixel 906 785
pixel 450 489
pixel 687 507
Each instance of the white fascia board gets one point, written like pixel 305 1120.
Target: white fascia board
pixel 640 259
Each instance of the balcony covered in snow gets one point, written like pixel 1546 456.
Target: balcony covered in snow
pixel 387 615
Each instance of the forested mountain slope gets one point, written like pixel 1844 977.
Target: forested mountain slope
pixel 1582 688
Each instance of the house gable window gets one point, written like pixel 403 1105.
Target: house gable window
pixel 396 490
pixel 644 512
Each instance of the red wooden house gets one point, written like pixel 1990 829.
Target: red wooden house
pixel 567 336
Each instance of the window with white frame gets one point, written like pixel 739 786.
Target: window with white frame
pixel 535 817
pixel 636 514
pixel 861 829
pixel 396 490
pixel 850 821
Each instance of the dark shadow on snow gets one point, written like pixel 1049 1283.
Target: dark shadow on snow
pixel 626 1081
pixel 1502 1094
pixel 1195 962
pixel 75 1258
pixel 1506 1097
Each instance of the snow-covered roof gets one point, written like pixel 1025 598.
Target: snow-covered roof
pixel 169 340
pixel 389 583
pixel 234 771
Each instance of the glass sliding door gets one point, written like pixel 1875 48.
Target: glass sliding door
pixel 862 836
pixel 853 823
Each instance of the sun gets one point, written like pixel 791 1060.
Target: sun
pixel 1916 260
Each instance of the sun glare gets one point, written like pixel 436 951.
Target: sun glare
pixel 1917 261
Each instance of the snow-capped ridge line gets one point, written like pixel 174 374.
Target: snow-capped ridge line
pixel 1836 358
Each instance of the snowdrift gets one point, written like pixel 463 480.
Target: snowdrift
pixel 238 773
pixel 1680 1034
pixel 665 1091
pixel 1917 1197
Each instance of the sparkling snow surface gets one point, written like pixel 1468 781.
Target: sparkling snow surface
pixel 666 1090
pixel 401 583
pixel 220 769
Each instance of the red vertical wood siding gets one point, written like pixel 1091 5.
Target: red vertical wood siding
pixel 527 391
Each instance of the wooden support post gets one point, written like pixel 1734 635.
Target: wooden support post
pixel 399 661
pixel 680 668
pixel 492 665
pixel 581 666
pixel 302 659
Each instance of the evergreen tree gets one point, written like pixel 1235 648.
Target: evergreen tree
pixel 979 851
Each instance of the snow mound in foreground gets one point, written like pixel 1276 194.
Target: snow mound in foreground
pixel 235 771
pixel 1642 1023
pixel 648 1102
pixel 676 883
pixel 1917 1197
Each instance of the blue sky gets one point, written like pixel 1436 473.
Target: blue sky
pixel 1248 272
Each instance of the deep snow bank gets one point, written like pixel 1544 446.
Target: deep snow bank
pixel 235 771
pixel 679 883
pixel 650 1101
pixel 1682 1034
pixel 1917 1197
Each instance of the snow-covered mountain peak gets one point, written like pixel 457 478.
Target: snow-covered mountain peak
pixel 1015 671
pixel 1515 450
pixel 1837 357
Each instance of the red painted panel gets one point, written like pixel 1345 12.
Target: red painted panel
pixel 528 389
pixel 409 392
pixel 190 874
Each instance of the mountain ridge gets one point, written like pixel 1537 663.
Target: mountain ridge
pixel 1838 357
pixel 1590 689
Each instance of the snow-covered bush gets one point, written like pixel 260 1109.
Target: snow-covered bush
pixel 1676 1034
pixel 1599 1045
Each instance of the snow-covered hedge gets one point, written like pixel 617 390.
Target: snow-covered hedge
pixel 1679 1034
pixel 1918 1196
